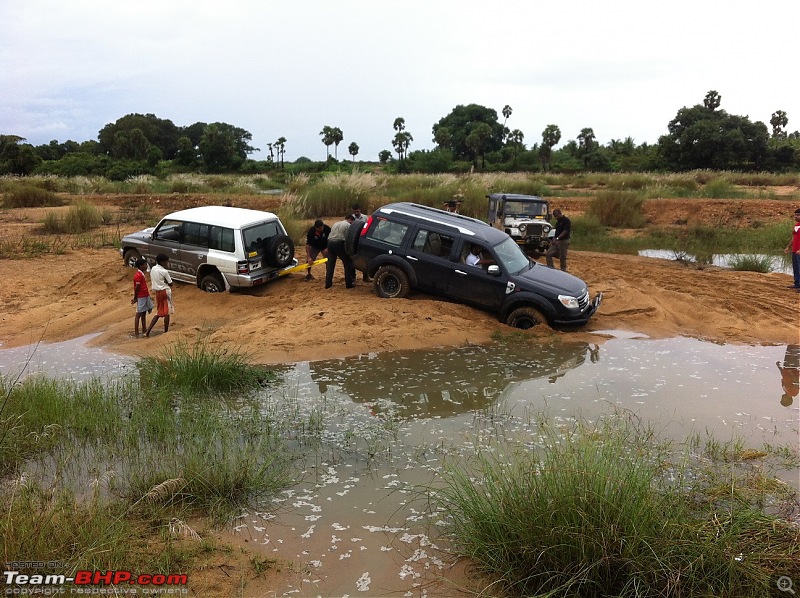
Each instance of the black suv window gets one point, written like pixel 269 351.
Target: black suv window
pixel 388 232
pixel 433 243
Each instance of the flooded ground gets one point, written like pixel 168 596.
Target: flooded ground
pixel 778 263
pixel 361 523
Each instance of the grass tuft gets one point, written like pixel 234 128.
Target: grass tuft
pixel 601 510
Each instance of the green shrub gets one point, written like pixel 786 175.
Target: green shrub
pixel 603 510
pixel 620 209
pixel 751 263
pixel 200 369
pixel 30 196
pixel 82 217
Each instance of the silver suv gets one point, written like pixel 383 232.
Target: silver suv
pixel 217 248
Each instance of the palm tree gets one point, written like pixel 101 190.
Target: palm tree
pixel 586 142
pixel 338 137
pixel 281 145
pixel 550 137
pixel 506 113
pixel 353 150
pixel 327 139
pixel 399 124
pixel 401 142
pixel 515 139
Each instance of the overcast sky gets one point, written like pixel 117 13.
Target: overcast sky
pixel 288 68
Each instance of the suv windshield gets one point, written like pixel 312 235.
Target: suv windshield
pixel 525 208
pixel 511 257
pixel 256 237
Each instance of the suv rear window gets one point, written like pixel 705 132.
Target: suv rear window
pixel 388 232
pixel 256 237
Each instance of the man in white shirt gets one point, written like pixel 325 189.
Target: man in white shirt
pixel 336 250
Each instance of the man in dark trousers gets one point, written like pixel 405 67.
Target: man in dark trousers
pixel 316 243
pixel 560 243
pixel 336 250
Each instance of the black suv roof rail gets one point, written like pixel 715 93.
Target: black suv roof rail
pixel 438 212
pixel 460 222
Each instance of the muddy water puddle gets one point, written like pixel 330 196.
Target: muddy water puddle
pixel 359 522
pixel 363 525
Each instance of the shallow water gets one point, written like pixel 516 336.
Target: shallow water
pixel 778 263
pixel 358 522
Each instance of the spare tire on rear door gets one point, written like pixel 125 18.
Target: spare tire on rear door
pixel 353 235
pixel 279 251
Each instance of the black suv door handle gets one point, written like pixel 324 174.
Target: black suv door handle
pixel 461 272
pixel 411 257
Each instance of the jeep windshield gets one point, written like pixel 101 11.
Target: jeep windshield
pixel 511 257
pixel 525 208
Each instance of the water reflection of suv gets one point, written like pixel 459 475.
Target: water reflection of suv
pixel 216 247
pixel 406 246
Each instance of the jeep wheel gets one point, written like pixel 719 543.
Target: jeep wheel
pixel 525 317
pixel 130 257
pixel 353 235
pixel 212 283
pixel 280 251
pixel 392 283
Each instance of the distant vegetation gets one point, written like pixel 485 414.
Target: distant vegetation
pixel 470 138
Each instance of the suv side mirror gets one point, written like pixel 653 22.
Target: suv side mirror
pixel 493 270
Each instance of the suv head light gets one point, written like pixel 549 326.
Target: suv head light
pixel 522 228
pixel 569 301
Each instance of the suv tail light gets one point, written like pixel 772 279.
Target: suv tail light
pixel 242 267
pixel 366 227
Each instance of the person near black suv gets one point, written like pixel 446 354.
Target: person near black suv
pixel 406 246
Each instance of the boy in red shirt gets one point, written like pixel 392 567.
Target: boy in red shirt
pixel 141 296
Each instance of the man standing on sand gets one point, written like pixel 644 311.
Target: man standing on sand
pixel 560 243
pixel 336 250
pixel 794 247
pixel 359 216
pixel 316 243
pixel 161 282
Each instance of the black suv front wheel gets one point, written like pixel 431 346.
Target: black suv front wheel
pixel 392 283
pixel 525 317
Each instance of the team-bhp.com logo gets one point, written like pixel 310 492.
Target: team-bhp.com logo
pixel 18 583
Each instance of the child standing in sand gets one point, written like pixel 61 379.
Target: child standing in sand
pixel 141 296
pixel 162 282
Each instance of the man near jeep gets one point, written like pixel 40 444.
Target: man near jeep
pixel 560 243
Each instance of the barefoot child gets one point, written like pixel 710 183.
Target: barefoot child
pixel 141 296
pixel 161 281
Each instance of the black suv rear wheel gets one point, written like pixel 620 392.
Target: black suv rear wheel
pixel 392 283
pixel 525 317
pixel 353 235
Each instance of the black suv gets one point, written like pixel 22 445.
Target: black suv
pixel 406 246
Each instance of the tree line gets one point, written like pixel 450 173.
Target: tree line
pixel 471 136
